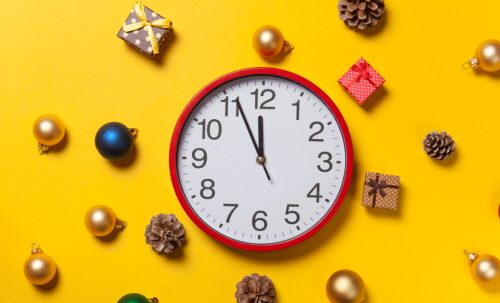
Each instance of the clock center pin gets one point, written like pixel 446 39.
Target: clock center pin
pixel 261 160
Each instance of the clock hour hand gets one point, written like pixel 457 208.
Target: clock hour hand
pixel 260 159
pixel 260 151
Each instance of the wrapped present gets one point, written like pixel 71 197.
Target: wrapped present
pixel 361 81
pixel 145 30
pixel 381 191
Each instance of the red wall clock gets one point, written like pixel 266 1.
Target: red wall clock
pixel 261 159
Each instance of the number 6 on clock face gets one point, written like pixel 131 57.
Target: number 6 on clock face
pixel 261 159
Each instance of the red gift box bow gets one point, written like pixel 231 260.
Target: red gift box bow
pixel 361 68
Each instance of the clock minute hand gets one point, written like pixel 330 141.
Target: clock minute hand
pixel 240 108
pixel 246 124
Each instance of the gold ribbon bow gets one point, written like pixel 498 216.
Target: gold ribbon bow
pixel 162 23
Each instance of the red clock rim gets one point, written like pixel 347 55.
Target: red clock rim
pixel 221 81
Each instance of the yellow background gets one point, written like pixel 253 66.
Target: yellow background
pixel 63 57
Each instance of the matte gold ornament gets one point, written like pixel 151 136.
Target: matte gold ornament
pixel 100 220
pixel 48 130
pixel 487 56
pixel 268 41
pixel 345 286
pixel 485 269
pixel 39 268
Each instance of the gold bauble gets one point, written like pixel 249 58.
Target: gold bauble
pixel 268 41
pixel 488 55
pixel 39 268
pixel 100 220
pixel 49 130
pixel 485 269
pixel 345 286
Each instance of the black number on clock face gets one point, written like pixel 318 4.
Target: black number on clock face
pixel 226 107
pixel 234 206
pixel 321 128
pixel 225 100
pixel 209 188
pixel 288 211
pixel 317 195
pixel 203 159
pixel 328 161
pixel 255 220
pixel 208 129
pixel 236 105
pixel 262 106
pixel 298 109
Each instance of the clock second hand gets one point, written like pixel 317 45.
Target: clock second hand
pixel 257 148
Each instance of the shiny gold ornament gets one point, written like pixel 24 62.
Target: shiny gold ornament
pixel 268 41
pixel 39 268
pixel 487 56
pixel 484 268
pixel 345 286
pixel 48 130
pixel 101 220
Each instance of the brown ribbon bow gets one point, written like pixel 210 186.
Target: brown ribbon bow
pixel 377 186
pixel 361 68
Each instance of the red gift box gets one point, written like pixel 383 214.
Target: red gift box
pixel 361 80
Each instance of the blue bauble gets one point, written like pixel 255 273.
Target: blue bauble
pixel 114 141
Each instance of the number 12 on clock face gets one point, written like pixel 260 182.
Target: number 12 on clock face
pixel 261 159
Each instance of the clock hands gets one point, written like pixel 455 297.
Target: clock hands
pixel 261 159
pixel 259 149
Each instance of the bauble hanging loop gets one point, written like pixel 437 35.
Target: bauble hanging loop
pixel 114 141
pixel 487 56
pixel 48 131
pixel 485 269
pixel 345 286
pixel 268 41
pixel 39 268
pixel 100 220
pixel 137 298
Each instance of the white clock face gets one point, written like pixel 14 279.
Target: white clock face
pixel 305 157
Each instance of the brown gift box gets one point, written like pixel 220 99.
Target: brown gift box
pixel 139 39
pixel 381 191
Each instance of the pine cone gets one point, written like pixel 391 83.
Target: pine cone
pixel 439 146
pixel 165 233
pixel 255 289
pixel 361 14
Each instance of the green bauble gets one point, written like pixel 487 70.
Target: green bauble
pixel 135 298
